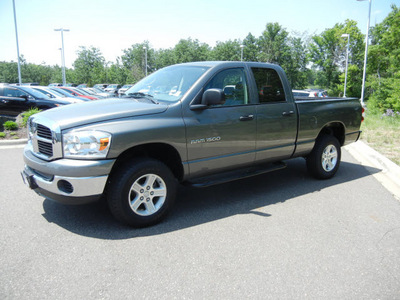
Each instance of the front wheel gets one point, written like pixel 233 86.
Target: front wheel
pixel 324 160
pixel 142 192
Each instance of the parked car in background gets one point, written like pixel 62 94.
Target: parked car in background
pixel 56 95
pixel 77 92
pixel 113 88
pixel 66 94
pixel 101 92
pixel 55 84
pixel 301 93
pixel 28 84
pixel 122 90
pixel 94 93
pixel 83 85
pixel 17 99
pixel 101 86
pixel 309 93
pixel 318 92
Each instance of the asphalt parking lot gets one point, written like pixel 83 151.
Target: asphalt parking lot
pixel 281 235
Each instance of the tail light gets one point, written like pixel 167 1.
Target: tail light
pixel 362 114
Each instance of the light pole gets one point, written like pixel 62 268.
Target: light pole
pixel 62 53
pixel 145 60
pixel 241 52
pixel 16 37
pixel 347 61
pixel 366 53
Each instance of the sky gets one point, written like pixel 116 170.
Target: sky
pixel 113 26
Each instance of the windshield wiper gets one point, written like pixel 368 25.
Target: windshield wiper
pixel 143 95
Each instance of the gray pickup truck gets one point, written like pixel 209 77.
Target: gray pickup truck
pixel 197 123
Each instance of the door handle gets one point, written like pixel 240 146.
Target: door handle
pixel 288 113
pixel 246 118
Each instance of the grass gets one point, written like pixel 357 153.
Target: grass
pixel 382 133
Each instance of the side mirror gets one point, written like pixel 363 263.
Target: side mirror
pixel 25 97
pixel 213 97
pixel 210 97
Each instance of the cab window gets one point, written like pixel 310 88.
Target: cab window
pixel 234 85
pixel 13 92
pixel 269 85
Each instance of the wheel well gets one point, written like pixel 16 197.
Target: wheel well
pixel 335 129
pixel 162 152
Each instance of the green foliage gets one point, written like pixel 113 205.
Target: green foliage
pixel 227 51
pixel 354 80
pixel 250 50
pixel 328 53
pixel 384 65
pixel 191 50
pixel 10 125
pixel 273 44
pixel 89 66
pixel 27 114
pixel 2 134
pixel 386 95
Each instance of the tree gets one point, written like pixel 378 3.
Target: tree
pixel 384 64
pixel 164 58
pixel 273 44
pixel 227 51
pixel 133 60
pixel 250 50
pixel 89 66
pixel 328 53
pixel 295 64
pixel 191 50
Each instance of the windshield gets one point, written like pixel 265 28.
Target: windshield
pixel 168 84
pixel 57 93
pixel 61 91
pixel 35 93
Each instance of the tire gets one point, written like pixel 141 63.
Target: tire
pixel 324 160
pixel 141 192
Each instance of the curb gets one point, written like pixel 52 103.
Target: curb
pixel 389 176
pixel 13 142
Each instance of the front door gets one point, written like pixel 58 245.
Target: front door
pixel 222 137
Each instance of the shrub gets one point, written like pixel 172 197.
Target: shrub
pixel 10 125
pixel 27 114
pixel 2 135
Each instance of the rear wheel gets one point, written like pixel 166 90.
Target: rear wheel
pixel 324 160
pixel 141 193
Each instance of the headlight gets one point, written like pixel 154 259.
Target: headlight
pixel 30 128
pixel 86 144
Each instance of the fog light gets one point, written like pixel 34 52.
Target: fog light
pixel 65 186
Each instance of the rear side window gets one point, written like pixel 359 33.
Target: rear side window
pixel 269 85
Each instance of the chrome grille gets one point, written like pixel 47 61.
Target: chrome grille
pixel 45 138
pixel 45 148
pixel 44 132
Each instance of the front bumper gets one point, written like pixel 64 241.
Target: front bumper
pixel 66 180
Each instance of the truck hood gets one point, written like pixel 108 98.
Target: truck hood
pixel 99 110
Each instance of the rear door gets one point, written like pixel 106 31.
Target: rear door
pixel 276 116
pixel 222 137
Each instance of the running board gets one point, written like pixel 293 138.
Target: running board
pixel 235 175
